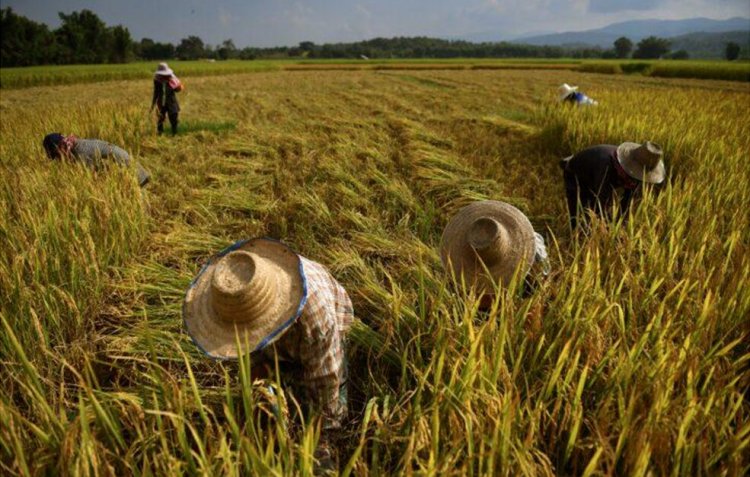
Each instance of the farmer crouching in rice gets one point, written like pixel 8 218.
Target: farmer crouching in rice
pixel 166 87
pixel 593 176
pixel 486 243
pixel 91 152
pixel 276 303
pixel 570 95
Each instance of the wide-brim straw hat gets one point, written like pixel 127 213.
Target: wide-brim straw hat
pixel 163 70
pixel 642 161
pixel 249 293
pixel 486 243
pixel 564 91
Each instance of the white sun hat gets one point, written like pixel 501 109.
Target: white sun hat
pixel 163 70
pixel 249 293
pixel 564 91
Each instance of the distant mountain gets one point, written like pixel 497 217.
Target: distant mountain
pixel 492 36
pixel 711 45
pixel 637 30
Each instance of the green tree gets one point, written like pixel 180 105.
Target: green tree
pixel 24 42
pixel 227 50
pixel 83 38
pixel 191 48
pixel 679 55
pixel 248 53
pixel 652 48
pixel 122 45
pixel 623 47
pixel 148 49
pixel 306 46
pixel 732 51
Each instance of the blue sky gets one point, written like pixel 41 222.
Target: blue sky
pixel 287 22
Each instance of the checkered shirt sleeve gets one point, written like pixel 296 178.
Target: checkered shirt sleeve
pixel 325 319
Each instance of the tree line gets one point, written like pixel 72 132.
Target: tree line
pixel 654 47
pixel 83 38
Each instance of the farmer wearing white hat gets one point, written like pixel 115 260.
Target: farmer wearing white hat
pixel 593 175
pixel 276 304
pixel 489 242
pixel 166 85
pixel 570 94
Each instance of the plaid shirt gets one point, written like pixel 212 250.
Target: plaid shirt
pixel 314 344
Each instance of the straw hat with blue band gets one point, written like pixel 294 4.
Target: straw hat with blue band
pixel 250 292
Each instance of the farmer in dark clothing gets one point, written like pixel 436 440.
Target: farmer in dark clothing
pixel 593 175
pixel 91 152
pixel 166 85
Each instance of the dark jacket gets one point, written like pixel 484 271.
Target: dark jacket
pixel 591 180
pixel 165 97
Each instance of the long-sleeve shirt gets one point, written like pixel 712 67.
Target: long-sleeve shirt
pixel 312 348
pixel 592 178
pixel 579 98
pixel 92 151
pixel 165 97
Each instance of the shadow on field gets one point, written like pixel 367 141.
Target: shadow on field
pixel 188 127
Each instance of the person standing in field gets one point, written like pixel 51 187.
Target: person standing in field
pixel 91 152
pixel 593 176
pixel 571 95
pixel 487 243
pixel 277 304
pixel 166 87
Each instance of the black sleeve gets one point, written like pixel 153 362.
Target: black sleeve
pixel 158 92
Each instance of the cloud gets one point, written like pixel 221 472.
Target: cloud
pixel 301 16
pixel 612 6
pixel 365 12
pixel 225 18
pixel 286 22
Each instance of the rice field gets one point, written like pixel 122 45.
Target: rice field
pixel 631 358
pixel 736 71
pixel 14 78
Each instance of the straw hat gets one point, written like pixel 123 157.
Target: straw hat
pixel 489 234
pixel 564 91
pixel 163 70
pixel 642 161
pixel 250 292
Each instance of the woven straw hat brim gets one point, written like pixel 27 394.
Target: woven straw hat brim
pixel 218 338
pixel 635 169
pixel 460 259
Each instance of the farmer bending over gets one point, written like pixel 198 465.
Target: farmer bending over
pixel 91 152
pixel 166 85
pixel 593 175
pixel 486 243
pixel 571 95
pixel 277 303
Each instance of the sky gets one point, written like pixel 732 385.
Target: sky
pixel 264 23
